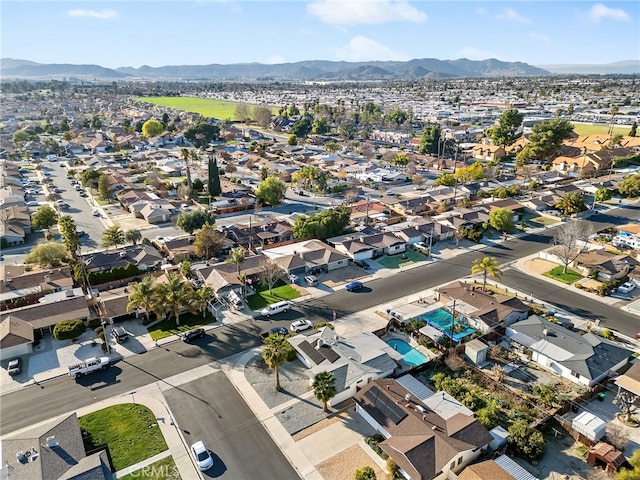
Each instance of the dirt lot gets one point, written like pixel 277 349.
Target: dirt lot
pixel 342 466
pixel 339 277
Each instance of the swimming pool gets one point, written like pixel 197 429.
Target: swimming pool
pixel 409 354
pixel 441 319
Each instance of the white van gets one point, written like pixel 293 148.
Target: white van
pixel 274 308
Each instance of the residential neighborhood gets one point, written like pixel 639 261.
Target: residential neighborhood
pixel 434 291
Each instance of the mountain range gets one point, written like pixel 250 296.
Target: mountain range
pixel 310 70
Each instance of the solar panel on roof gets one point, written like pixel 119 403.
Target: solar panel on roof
pixel 328 353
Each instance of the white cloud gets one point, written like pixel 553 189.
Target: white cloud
pixel 511 15
pixel 362 49
pixel 354 12
pixel 599 12
pixel 540 37
pixel 274 60
pixel 101 14
pixel 473 53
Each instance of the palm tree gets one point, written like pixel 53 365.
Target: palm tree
pixel 324 388
pixel 237 256
pixel 133 235
pixel 186 155
pixel 143 295
pixel 571 203
pixel 486 266
pixel 175 294
pixel 185 268
pixel 275 351
pixel 201 298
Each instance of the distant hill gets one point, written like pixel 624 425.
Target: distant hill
pixel 624 67
pixel 310 70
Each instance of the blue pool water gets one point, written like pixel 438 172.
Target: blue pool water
pixel 441 319
pixel 410 355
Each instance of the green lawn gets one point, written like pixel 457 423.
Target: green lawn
pixel 263 298
pixel 166 328
pixel 209 108
pixel 538 221
pixel 164 469
pixel 130 430
pixel 569 277
pixel 395 261
pixel 583 129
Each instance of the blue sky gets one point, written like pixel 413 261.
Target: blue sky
pixel 148 32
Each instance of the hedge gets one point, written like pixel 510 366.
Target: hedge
pixel 119 273
pixel 68 329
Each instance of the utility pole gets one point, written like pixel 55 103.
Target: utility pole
pixel 367 218
pixel 453 321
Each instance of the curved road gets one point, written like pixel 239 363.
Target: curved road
pixel 39 402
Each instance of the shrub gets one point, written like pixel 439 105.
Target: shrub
pixel 608 334
pixel 94 323
pixel 365 473
pixel 525 440
pixel 373 442
pixel 393 469
pixel 68 329
pixel 323 324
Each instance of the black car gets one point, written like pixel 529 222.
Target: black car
pixel 191 334
pixel 275 330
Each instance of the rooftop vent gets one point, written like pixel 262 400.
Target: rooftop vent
pixel 407 397
pixel 420 408
pixel 52 442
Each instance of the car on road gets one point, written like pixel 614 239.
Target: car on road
pixel 78 187
pixel 300 325
pixel 32 191
pixel 626 287
pixel 32 203
pixel 638 335
pixel 14 366
pixel 353 286
pixel 191 334
pixel 82 233
pixel 95 213
pixel 202 456
pixel 83 194
pixel 275 308
pixel 275 331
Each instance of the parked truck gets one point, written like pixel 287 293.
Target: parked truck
pixel 87 366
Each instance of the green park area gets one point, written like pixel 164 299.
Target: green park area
pixel 219 109
pixel 584 129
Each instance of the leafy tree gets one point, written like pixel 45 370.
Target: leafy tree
pixel 292 140
pixel 69 233
pixel 202 134
pixel 429 140
pixel 397 117
pixel 324 388
pixel 545 393
pixel 90 178
pixel 45 217
pixel 213 182
pixel 275 352
pixel 347 129
pixel 20 137
pixel 133 235
pixel 489 415
pixel 103 188
pixel 603 194
pixel 571 203
pixel 270 273
pixel 630 186
pixel 113 236
pixel 400 160
pixel 185 268
pixel 242 112
pixel 525 440
pixel 506 131
pixel 501 219
pixel 237 256
pixel 271 191
pixel 176 295
pixel 47 255
pixel 262 116
pixel 447 179
pixel 302 127
pixel 365 473
pixel 152 128
pixel 570 240
pixel 634 472
pixel 634 129
pixel 545 139
pixel 471 173
pixel 320 126
pixel 208 241
pixel 143 295
pixel 68 329
pixel 194 220
pixel 486 266
pixel 322 225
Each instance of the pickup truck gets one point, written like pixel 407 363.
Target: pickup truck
pixel 87 366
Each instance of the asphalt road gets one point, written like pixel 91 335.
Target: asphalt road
pixel 210 409
pixel 36 403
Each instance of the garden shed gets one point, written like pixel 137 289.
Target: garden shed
pixel 590 426
pixel 500 437
pixel 476 351
pixel 603 454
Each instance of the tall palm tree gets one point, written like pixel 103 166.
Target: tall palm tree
pixel 486 266
pixel 186 155
pixel 143 295
pixel 275 351
pixel 324 388
pixel 175 294
pixel 236 257
pixel 201 298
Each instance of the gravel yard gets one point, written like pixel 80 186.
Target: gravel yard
pixel 342 466
pixel 301 415
pixel 293 381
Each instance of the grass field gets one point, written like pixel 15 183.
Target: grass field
pixel 219 109
pixel 130 430
pixel 584 129
pixel 263 298
pixel 164 469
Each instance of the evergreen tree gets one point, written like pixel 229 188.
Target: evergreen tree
pixel 214 178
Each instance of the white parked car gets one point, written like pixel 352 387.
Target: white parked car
pixel 95 213
pixel 626 287
pixel 274 308
pixel 202 456
pixel 300 325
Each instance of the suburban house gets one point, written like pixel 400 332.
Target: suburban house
pixel 16 337
pixel 262 233
pixel 223 277
pixel 52 450
pixel 515 207
pixel 19 285
pixel 311 256
pixel 606 266
pixel 142 255
pixel 629 381
pixel 586 165
pixel 179 249
pixel 488 153
pixel 353 361
pixel 382 175
pixel 423 444
pixel 500 468
pixel 586 359
pixel 628 236
pixel 481 310
pixel 361 247
pixel 436 231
